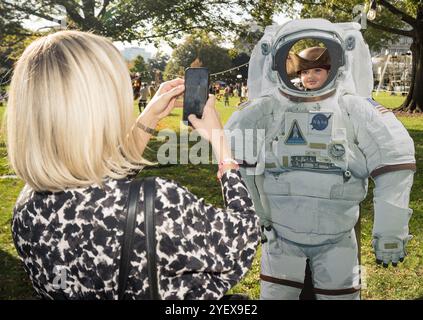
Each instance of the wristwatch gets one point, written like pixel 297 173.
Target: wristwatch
pixel 146 129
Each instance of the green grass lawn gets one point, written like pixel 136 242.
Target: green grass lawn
pixel 389 101
pixel 404 282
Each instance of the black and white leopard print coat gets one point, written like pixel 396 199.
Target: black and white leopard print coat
pixel 70 241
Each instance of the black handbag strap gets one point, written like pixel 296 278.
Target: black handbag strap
pixel 128 235
pixel 150 234
pixel 127 247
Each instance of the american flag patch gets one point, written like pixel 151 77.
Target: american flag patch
pixel 378 106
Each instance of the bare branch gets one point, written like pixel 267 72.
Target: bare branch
pixel 339 8
pixel 397 12
pixel 143 38
pixel 30 11
pixel 72 10
pixel 103 9
pixel 406 33
pixel 88 7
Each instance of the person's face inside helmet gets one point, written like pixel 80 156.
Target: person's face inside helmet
pixel 313 79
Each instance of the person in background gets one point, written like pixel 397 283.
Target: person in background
pixel 152 89
pixel 136 86
pixel 142 103
pixel 244 92
pixel 226 95
pixel 235 91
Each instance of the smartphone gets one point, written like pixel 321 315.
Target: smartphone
pixel 196 92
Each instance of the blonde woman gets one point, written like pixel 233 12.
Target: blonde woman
pixel 72 138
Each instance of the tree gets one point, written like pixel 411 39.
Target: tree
pixel 9 23
pixel 396 18
pixel 127 20
pixel 173 70
pixel 157 66
pixel 145 20
pixel 141 67
pixel 262 11
pixel 238 58
pixel 201 46
pixel 159 61
pixel 13 40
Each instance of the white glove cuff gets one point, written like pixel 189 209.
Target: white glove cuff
pixel 390 220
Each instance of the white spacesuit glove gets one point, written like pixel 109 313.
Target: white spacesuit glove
pixel 390 250
pixel 390 229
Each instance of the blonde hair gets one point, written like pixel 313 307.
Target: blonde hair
pixel 70 113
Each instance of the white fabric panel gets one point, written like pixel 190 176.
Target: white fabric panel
pixel 394 187
pixel 390 220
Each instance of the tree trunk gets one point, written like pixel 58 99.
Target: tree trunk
pixel 414 101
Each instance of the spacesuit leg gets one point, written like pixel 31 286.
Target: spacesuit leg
pixel 274 291
pixel 283 266
pixel 335 269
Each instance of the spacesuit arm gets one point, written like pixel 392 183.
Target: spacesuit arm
pixel 391 198
pixel 246 130
pixel 250 181
pixel 389 153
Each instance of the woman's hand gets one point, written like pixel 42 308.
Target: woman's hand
pixel 210 123
pixel 164 100
pixel 210 128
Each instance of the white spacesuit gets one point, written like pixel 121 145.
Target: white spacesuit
pixel 312 154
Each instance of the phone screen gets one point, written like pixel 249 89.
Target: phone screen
pixel 196 92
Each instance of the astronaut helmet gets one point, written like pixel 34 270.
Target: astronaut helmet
pixel 303 50
pixel 348 54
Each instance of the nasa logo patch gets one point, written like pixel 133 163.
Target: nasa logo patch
pixel 320 122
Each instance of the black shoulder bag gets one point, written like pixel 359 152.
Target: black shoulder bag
pixel 128 238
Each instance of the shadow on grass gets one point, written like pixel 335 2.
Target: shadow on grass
pixel 415 133
pixel 14 282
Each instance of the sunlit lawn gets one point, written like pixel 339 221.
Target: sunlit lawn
pixel 387 99
pixel 404 282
